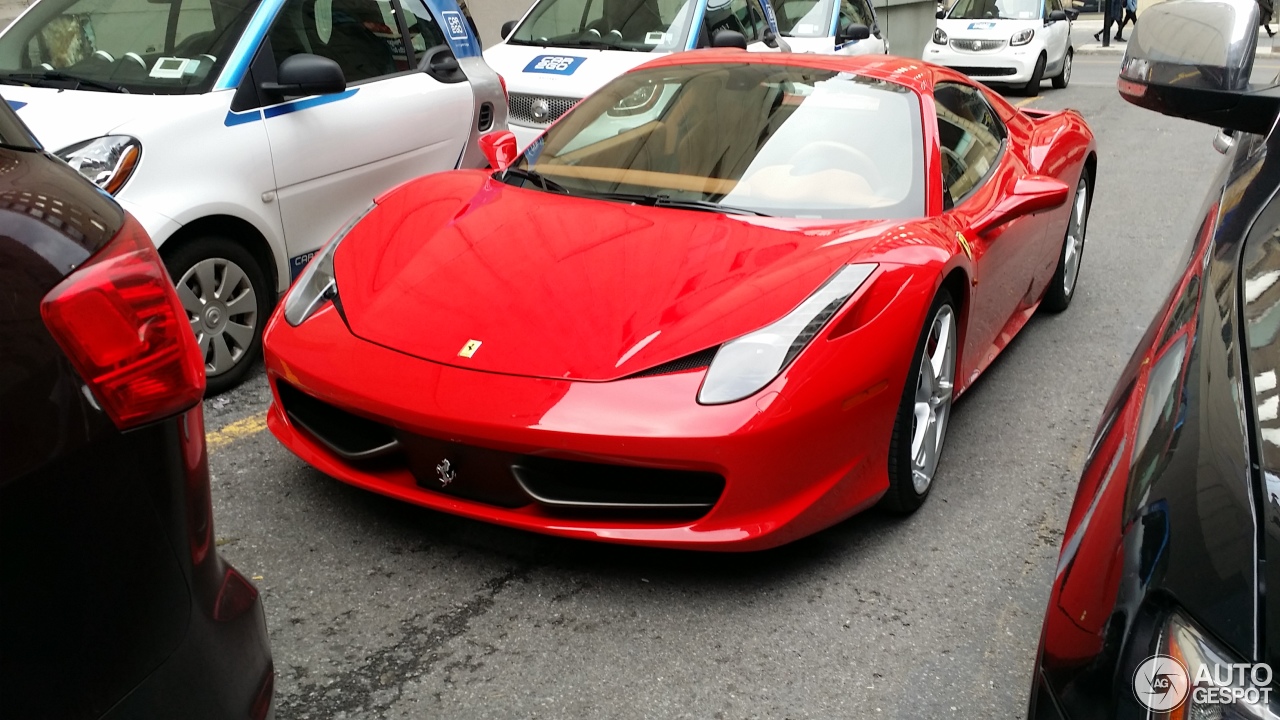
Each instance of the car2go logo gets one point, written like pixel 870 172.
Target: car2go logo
pixel 454 25
pixel 1162 683
pixel 554 64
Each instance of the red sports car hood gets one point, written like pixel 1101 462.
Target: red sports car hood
pixel 561 287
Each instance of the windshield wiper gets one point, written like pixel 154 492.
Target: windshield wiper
pixel 536 178
pixel 56 75
pixel 666 201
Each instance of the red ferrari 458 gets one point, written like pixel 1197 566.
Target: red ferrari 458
pixel 723 303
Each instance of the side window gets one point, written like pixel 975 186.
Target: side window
pixel 733 15
pixel 970 137
pixel 360 35
pixel 853 11
pixel 758 23
pixel 424 31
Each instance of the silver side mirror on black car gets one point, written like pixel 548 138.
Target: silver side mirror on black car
pixel 1193 58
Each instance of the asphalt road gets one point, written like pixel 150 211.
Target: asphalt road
pixel 378 609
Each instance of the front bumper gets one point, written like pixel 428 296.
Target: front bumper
pixel 788 471
pixel 1012 65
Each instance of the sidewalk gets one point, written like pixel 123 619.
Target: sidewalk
pixel 1082 31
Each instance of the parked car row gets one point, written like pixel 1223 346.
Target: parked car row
pixel 684 297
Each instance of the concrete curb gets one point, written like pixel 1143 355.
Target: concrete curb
pixel 1117 49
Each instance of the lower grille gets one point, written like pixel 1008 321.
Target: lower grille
pixel 502 478
pixel 350 436
pixel 540 110
pixel 573 485
pixel 985 72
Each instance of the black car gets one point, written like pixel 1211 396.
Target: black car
pixel 1166 598
pixel 113 600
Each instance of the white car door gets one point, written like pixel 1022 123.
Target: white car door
pixel 334 153
pixel 1057 36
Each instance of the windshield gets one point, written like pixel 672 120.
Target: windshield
pixel 995 10
pixel 804 18
pixel 636 25
pixel 803 142
pixel 142 46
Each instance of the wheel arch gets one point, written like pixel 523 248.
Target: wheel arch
pixel 237 229
pixel 956 282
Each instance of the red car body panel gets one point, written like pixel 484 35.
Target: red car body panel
pixel 564 291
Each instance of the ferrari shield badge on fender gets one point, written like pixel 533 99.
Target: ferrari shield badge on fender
pixel 964 245
pixel 469 349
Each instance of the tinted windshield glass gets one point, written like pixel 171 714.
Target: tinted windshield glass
pixel 637 25
pixel 996 9
pixel 804 18
pixel 801 143
pixel 144 46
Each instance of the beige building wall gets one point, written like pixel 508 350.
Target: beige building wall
pixel 907 24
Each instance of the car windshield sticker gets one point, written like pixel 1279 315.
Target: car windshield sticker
pixel 554 64
pixel 656 38
pixel 981 25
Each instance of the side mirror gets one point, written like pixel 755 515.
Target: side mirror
pixel 1031 194
pixel 852 32
pixel 941 14
pixel 1072 15
pixel 508 27
pixel 306 74
pixel 729 39
pixel 499 149
pixel 1057 16
pixel 1192 59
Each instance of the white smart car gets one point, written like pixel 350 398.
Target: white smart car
pixel 564 50
pixel 1006 42
pixel 844 27
pixel 242 133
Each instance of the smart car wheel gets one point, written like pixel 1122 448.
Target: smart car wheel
pixel 1064 77
pixel 225 294
pixel 1063 285
pixel 921 425
pixel 1033 85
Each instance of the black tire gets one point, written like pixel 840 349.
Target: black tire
pixel 902 497
pixel 1032 88
pixel 1062 78
pixel 222 311
pixel 1059 293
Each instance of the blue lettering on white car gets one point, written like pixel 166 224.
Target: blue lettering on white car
pixel 298 264
pixel 554 64
pixel 981 25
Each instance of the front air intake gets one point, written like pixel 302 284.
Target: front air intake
pixel 484 122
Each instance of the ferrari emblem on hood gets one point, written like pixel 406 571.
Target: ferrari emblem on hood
pixel 469 349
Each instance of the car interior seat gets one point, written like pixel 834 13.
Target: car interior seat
pixel 633 19
pixel 358 51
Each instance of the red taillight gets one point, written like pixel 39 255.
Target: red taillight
pixel 262 700
pixel 118 319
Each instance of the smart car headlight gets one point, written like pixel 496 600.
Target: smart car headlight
pixel 1022 37
pixel 317 284
pixel 743 366
pixel 939 36
pixel 107 162
pixel 1200 679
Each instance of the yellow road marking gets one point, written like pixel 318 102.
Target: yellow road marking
pixel 1027 101
pixel 230 433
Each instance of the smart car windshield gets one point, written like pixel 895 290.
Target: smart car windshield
pixel 635 25
pixel 804 18
pixel 139 46
pixel 996 10
pixel 802 143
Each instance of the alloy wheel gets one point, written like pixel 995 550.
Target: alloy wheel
pixel 932 407
pixel 1074 245
pixel 222 307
